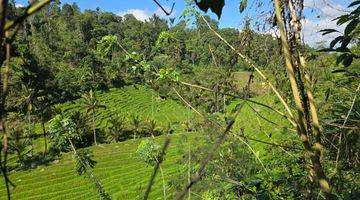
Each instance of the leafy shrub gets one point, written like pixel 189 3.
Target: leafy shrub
pixel 149 151
pixel 74 128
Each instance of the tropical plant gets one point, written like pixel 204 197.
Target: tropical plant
pixel 18 144
pixel 61 131
pixel 152 127
pixel 116 130
pixel 91 104
pixel 136 125
pixel 149 151
pixel 351 35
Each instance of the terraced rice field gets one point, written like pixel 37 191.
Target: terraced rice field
pixel 122 173
pixel 134 101
pixel 258 122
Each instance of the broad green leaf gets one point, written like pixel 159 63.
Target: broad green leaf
pixel 335 41
pixel 243 5
pixel 347 60
pixel 215 6
pixel 354 3
pixel 339 71
pixel 328 31
pixel 342 19
pixel 351 26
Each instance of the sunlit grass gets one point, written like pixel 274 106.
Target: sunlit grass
pixel 122 173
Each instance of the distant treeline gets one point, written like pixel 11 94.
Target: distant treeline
pixel 57 49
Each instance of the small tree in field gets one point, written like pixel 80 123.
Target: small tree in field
pixel 136 125
pixel 149 151
pixel 91 104
pixel 152 127
pixel 116 129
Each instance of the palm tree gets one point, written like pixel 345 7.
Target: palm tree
pixel 44 113
pixel 135 122
pixel 116 129
pixel 91 104
pixel 152 126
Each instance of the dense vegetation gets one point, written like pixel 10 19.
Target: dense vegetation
pixel 99 105
pixel 117 166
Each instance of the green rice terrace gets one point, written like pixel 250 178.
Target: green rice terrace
pixel 179 99
pixel 121 172
pixel 118 167
pixel 134 101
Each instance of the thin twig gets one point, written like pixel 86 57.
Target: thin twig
pixel 253 66
pixel 31 10
pixel 343 125
pixel 270 143
pixel 91 172
pixel 163 9
pixel 211 152
pixel 252 150
pixel 3 115
pixel 269 136
pixel 237 96
pixel 187 103
pixel 245 137
pixel 209 156
pixel 163 181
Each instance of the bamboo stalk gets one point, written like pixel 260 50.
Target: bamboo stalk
pixel 313 111
pixel 302 132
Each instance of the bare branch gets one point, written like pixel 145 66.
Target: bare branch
pixel 209 156
pixel 3 115
pixel 3 13
pixel 163 9
pixel 29 11
pixel 343 126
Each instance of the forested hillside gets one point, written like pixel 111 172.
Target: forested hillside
pixel 96 104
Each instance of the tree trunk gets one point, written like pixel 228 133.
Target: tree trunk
pixel 44 135
pixel 94 129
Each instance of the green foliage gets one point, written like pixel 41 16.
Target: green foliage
pixel 243 5
pixel 61 130
pixel 135 63
pixel 351 35
pixel 105 46
pixel 116 129
pixel 129 102
pixel 18 145
pixel 164 39
pixel 149 151
pixel 168 74
pixel 91 102
pixel 118 167
pixel 83 161
pixel 215 6
pixel 64 53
